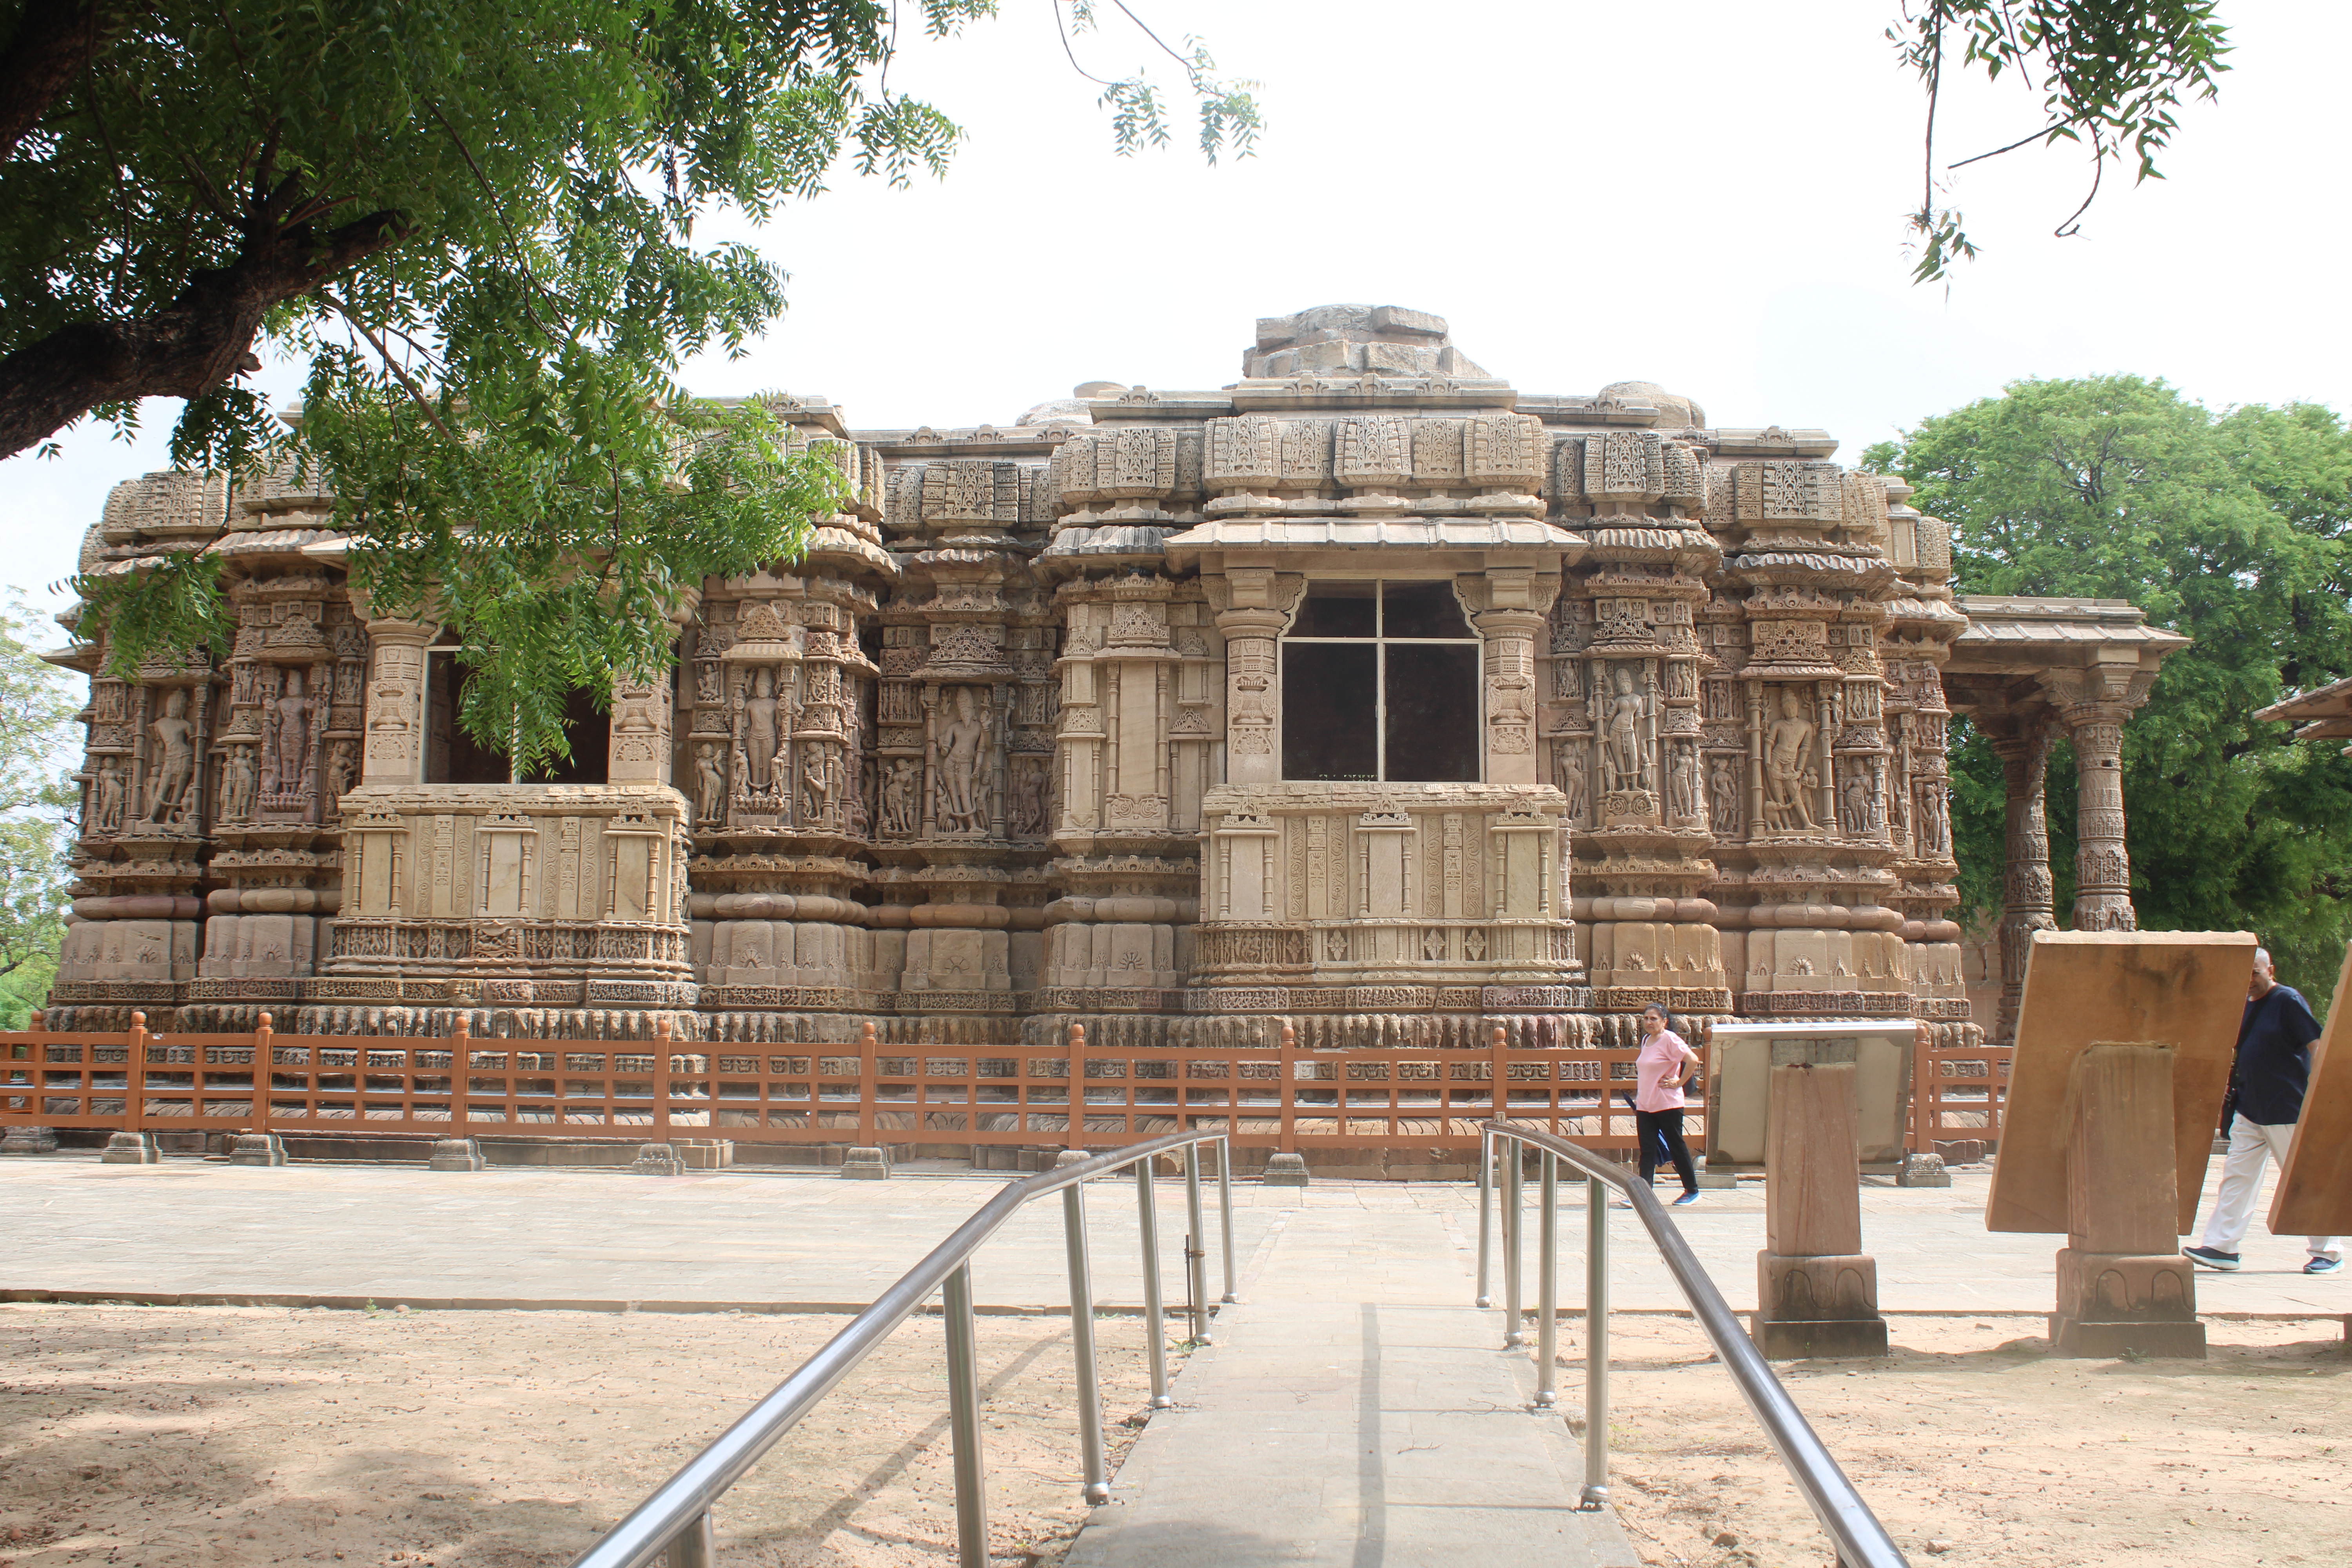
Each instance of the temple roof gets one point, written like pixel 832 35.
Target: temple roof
pixel 2324 714
pixel 2057 622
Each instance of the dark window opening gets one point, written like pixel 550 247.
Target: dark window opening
pixel 1379 681
pixel 454 756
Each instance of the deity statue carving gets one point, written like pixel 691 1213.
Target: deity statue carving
pixel 175 766
pixel 1935 818
pixel 1854 804
pixel 761 743
pixel 341 767
pixel 1627 747
pixel 1028 814
pixel 820 779
pixel 240 784
pixel 898 800
pixel 962 798
pixel 292 722
pixel 1723 796
pixel 1788 774
pixel 106 798
pixel 1572 782
pixel 710 783
pixel 1682 774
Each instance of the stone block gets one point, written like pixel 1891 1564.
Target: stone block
pixel 1284 1171
pixel 1835 1338
pixel 865 1165
pixel 2110 1287
pixel 1816 1288
pixel 257 1149
pixel 29 1141
pixel 658 1159
pixel 1923 1171
pixel 131 1149
pixel 455 1154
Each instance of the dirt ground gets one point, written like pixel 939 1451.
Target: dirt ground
pixel 1976 1447
pixel 160 1436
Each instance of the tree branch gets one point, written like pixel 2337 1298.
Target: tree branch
pixel 53 45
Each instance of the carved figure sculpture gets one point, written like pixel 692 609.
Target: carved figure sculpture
pixel 1683 779
pixel 1571 778
pixel 761 744
pixel 898 800
pixel 239 786
pixel 293 726
pixel 710 783
pixel 961 809
pixel 1628 763
pixel 818 783
pixel 342 763
pixel 106 803
pixel 176 765
pixel 1854 804
pixel 1723 796
pixel 1787 747
pixel 1029 800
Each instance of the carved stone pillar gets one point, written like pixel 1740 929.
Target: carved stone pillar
pixel 2026 893
pixel 1516 603
pixel 395 753
pixel 1255 608
pixel 2101 864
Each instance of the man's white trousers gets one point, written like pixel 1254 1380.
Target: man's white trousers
pixel 2250 1144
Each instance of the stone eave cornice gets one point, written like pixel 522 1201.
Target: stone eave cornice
pixel 1773 441
pixel 1554 408
pixel 1343 394
pixel 981 441
pixel 1141 405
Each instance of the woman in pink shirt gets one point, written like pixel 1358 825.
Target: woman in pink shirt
pixel 1666 1064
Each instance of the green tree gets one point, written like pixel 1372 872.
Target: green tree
pixel 37 713
pixel 486 209
pixel 2233 529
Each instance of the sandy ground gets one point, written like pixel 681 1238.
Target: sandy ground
pixel 1972 1437
pixel 223 1436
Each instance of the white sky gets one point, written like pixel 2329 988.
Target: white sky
pixel 1705 195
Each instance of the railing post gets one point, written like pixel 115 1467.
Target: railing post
pixel 661 1080
pixel 1077 1118
pixel 134 1075
pixel 1196 1247
pixel 1513 1154
pixel 461 1081
pixel 1596 1345
pixel 1485 1212
pixel 1500 1069
pixel 694 1546
pixel 263 1060
pixel 963 1423
pixel 1548 1288
pixel 1082 1343
pixel 869 1072
pixel 1225 1215
pixel 1155 1334
pixel 1287 1142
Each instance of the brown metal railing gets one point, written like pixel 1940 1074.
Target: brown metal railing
pixel 1959 1096
pixel 867 1093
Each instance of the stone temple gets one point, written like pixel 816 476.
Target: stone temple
pixel 1368 693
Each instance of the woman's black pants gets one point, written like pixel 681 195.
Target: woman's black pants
pixel 1657 1130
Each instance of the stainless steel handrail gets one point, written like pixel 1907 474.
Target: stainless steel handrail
pixel 1861 1540
pixel 677 1518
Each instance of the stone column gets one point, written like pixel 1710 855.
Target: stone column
pixel 1517 602
pixel 2101 864
pixel 1254 608
pixel 2026 892
pixel 394 752
pixel 1816 1289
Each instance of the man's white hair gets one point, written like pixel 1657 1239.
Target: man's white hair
pixel 2262 958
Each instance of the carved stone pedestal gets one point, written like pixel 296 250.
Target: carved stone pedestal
pixel 866 1165
pixel 455 1154
pixel 1816 1289
pixel 2121 1285
pixel 658 1159
pixel 1284 1171
pixel 29 1141
pixel 131 1149
pixel 257 1149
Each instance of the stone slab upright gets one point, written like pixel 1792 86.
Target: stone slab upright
pixel 2123 1052
pixel 1816 1289
pixel 2313 1196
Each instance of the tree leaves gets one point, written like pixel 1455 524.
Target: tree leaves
pixel 2228 528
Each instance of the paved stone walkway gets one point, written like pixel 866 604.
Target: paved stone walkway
pixel 584 1236
pixel 1354 1413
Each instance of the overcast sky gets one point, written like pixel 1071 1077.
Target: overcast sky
pixel 1705 195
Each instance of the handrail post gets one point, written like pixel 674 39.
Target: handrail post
pixel 1225 1215
pixel 1155 1336
pixel 694 1547
pixel 1548 1288
pixel 461 1068
pixel 1076 1138
pixel 1485 1211
pixel 869 1074
pixel 1196 1245
pixel 135 1074
pixel 661 1080
pixel 1596 1345
pixel 1082 1343
pixel 1514 1324
pixel 263 1053
pixel 963 1422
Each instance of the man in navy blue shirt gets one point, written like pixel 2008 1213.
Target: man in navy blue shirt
pixel 2266 1084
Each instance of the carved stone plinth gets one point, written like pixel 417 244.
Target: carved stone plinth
pixel 29 1141
pixel 1816 1289
pixel 455 1154
pixel 1818 1306
pixel 257 1149
pixel 658 1159
pixel 867 1165
pixel 2109 1302
pixel 131 1149
pixel 1284 1171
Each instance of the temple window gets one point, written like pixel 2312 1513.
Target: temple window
pixel 453 756
pixel 1379 681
